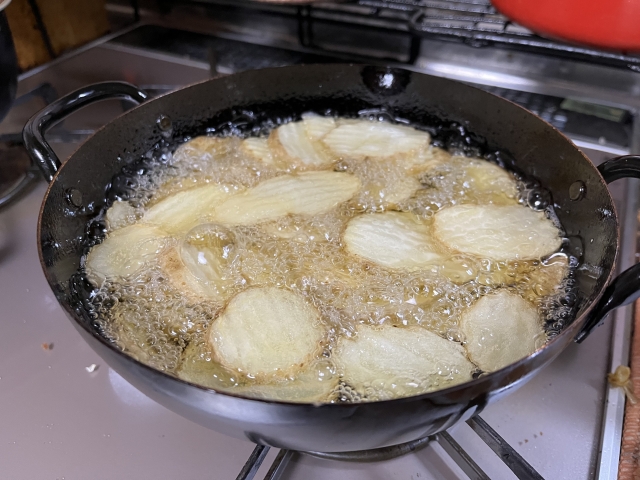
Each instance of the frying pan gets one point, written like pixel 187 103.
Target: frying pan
pixel 456 113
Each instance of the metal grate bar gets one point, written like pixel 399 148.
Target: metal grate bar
pixel 279 465
pixel 253 463
pixel 462 458
pixel 474 22
pixel 512 459
pixel 478 24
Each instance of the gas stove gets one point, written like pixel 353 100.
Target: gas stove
pixel 66 414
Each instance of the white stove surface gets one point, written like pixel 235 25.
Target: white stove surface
pixel 58 420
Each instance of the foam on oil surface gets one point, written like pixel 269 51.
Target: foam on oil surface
pixel 150 319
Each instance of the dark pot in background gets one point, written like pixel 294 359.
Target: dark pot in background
pixel 8 64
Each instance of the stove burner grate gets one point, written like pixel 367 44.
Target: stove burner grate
pixel 512 459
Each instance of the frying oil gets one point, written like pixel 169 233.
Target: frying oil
pixel 157 322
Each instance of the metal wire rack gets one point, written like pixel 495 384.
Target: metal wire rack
pixel 477 23
pixel 473 22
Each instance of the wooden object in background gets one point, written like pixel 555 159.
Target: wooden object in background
pixel 67 24
pixel 72 23
pixel 30 46
pixel 629 468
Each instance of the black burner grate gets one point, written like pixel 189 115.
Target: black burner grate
pixel 512 459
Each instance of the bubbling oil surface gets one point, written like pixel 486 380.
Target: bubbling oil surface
pixel 151 319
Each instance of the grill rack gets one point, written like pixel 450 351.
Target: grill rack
pixel 472 22
pixel 478 24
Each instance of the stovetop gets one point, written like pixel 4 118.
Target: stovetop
pixel 65 414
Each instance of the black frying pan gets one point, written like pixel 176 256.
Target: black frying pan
pixel 81 187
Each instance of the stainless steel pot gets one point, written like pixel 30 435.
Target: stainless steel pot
pixel 81 187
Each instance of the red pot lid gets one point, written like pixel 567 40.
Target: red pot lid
pixel 608 24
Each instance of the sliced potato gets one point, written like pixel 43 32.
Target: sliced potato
pixel 423 159
pixel 184 210
pixel 204 148
pixel 400 190
pixel 299 147
pixel 266 331
pixel 308 386
pixel 201 266
pixel 486 177
pixel 181 278
pixel 120 214
pixel 500 329
pixel 392 239
pixel 547 278
pixel 124 252
pixel 502 233
pixel 317 126
pixel 384 183
pixel 307 193
pixel 375 139
pixel 258 149
pixel 386 362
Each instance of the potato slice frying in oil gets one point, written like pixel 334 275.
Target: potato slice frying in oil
pixel 294 144
pixel 265 332
pixel 375 139
pixel 201 267
pixel 306 193
pixel 484 177
pixel 317 126
pixel 502 233
pixel 120 214
pixel 500 329
pixel 181 278
pixel 384 362
pixel 184 210
pixel 315 384
pixel 258 149
pixel 204 148
pixel 392 239
pixel 124 252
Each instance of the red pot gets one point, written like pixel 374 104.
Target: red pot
pixel 609 24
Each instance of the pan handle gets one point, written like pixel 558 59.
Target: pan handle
pixel 625 288
pixel 39 150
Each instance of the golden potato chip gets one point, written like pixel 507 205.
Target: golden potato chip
pixel 184 210
pixel 486 177
pixel 384 361
pixel 120 214
pixel 317 126
pixel 258 148
pixel 299 147
pixel 265 332
pixel 310 385
pixel 375 139
pixel 181 278
pixel 392 239
pixel 204 148
pixel 307 193
pixel 500 329
pixel 502 233
pixel 124 252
